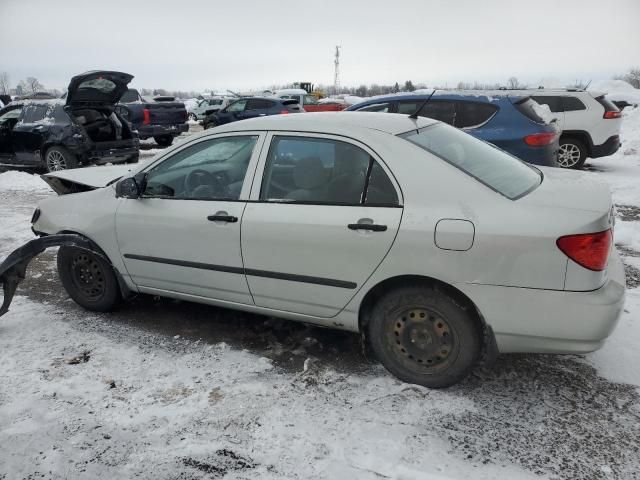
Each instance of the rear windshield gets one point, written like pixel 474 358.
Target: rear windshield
pixel 101 84
pixel 608 105
pixel 489 165
pixel 529 109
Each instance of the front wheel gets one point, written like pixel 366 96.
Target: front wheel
pixel 88 279
pixel 164 140
pixel 572 153
pixel 424 336
pixel 59 158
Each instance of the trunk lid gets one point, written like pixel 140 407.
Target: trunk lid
pixel 564 189
pixel 97 87
pixel 84 179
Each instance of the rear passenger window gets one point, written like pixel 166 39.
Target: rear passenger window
pixel 34 113
pixel 380 190
pixel 377 107
pixel 554 103
pixel 572 104
pixel 323 171
pixel 436 109
pixel 471 114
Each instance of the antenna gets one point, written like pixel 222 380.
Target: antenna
pixel 336 75
pixel 414 115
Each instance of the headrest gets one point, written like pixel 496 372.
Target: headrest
pixel 310 173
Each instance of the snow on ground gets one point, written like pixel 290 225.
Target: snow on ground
pixel 170 390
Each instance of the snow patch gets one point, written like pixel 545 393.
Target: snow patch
pixel 16 181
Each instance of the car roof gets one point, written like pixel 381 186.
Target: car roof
pixel 331 122
pixel 464 95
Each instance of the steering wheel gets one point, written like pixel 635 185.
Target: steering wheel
pixel 201 178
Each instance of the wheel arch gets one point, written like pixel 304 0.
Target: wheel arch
pixel 124 288
pixel 490 350
pixel 581 135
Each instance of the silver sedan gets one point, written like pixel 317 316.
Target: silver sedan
pixel 440 249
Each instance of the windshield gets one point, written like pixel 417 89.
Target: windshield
pixel 491 166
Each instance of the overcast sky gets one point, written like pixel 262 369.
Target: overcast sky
pixel 242 44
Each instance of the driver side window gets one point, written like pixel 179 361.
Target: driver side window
pixel 209 170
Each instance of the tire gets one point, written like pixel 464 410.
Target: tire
pixel 164 140
pixel 572 153
pixel 88 279
pixel 59 158
pixel 193 117
pixel 423 336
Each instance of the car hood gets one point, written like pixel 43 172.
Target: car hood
pixel 568 189
pixel 84 179
pixel 97 87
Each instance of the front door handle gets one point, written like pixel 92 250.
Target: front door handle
pixel 367 226
pixel 222 218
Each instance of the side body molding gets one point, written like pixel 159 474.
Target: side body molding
pixel 13 269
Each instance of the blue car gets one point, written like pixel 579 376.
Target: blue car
pixel 251 107
pixel 516 124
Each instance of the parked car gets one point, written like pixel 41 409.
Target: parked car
pixel 60 134
pixel 307 101
pixel 251 107
pixel 437 247
pixel 162 120
pixel 208 106
pixel 5 100
pixel 509 122
pixel 590 123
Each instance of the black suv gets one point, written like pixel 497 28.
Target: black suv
pixel 59 134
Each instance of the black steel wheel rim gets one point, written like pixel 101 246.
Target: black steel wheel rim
pixel 88 276
pixel 422 339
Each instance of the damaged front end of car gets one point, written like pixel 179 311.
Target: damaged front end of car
pixel 14 268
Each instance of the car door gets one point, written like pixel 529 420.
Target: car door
pixel 255 107
pixel 8 118
pixel 233 112
pixel 29 134
pixel 183 234
pixel 321 220
pixel 574 113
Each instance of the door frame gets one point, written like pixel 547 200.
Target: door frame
pixel 254 195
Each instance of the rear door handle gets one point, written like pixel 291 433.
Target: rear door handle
pixel 367 226
pixel 222 218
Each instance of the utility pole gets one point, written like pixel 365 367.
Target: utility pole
pixel 336 76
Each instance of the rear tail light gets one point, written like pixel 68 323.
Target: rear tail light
pixel 146 120
pixel 611 114
pixel 282 112
pixel 540 139
pixel 591 250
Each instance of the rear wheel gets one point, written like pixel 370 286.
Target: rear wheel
pixel 164 140
pixel 572 153
pixel 88 279
pixel 423 336
pixel 59 158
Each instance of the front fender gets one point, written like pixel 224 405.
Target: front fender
pixel 13 269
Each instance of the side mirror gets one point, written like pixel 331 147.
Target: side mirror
pixel 131 187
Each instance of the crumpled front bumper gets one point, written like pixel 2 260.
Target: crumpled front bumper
pixel 13 269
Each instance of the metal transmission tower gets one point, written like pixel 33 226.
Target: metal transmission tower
pixel 336 76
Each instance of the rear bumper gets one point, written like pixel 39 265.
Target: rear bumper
pixel 148 131
pixel 551 321
pixel 609 147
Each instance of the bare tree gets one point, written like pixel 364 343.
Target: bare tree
pixel 633 77
pixel 4 83
pixel 33 85
pixel 513 83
